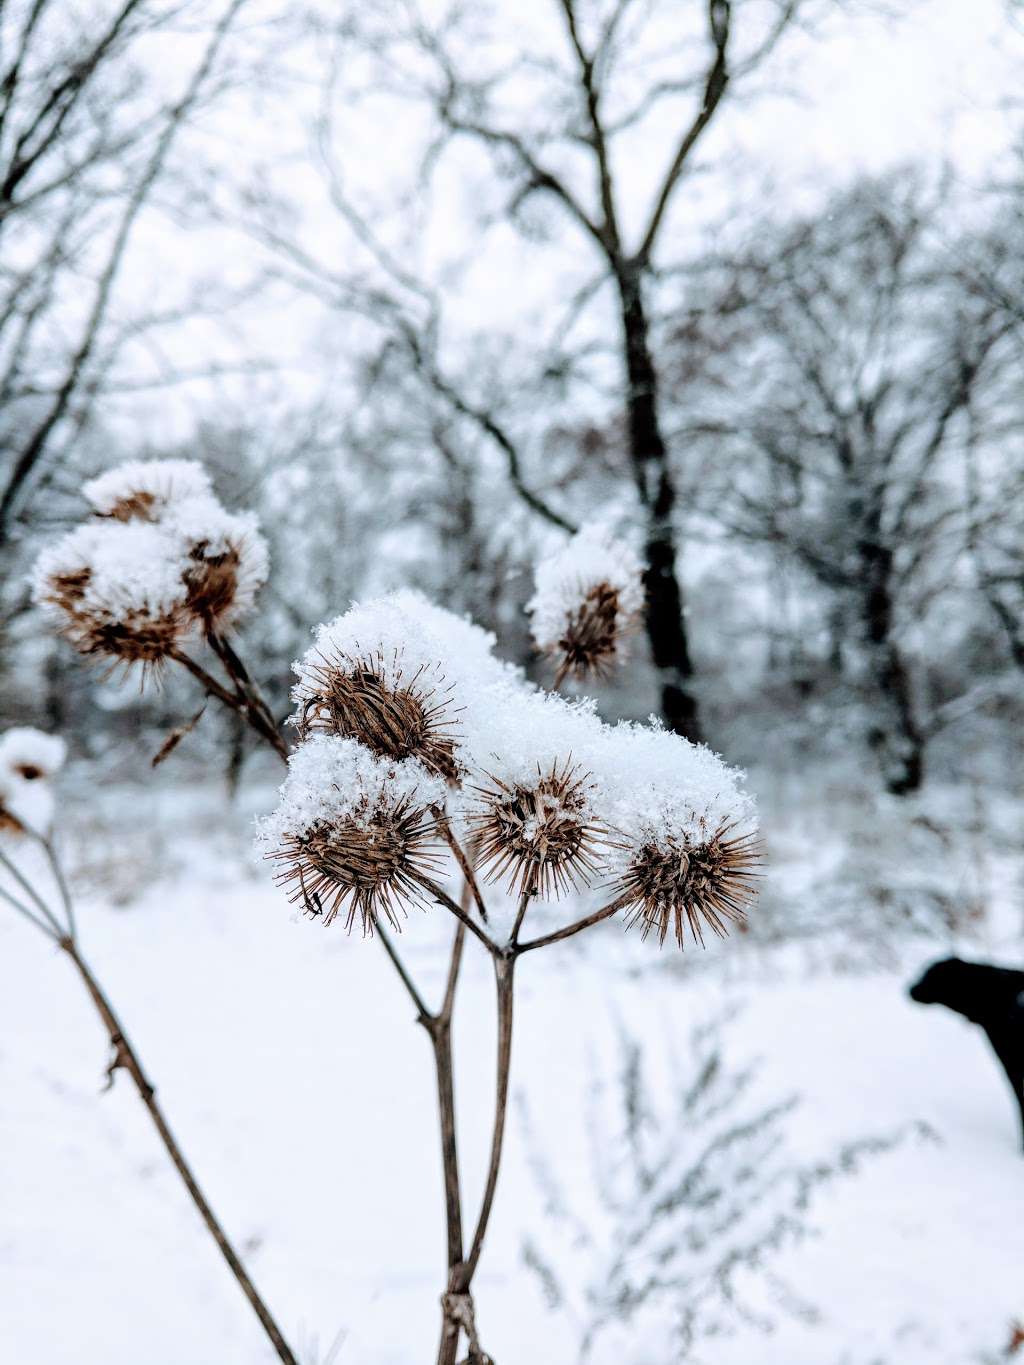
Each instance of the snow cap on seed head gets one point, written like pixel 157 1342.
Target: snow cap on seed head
pixel 528 798
pixel 29 759
pixel 146 490
pixel 685 851
pixel 587 598
pixel 115 588
pixel 352 830
pixel 160 557
pixel 395 673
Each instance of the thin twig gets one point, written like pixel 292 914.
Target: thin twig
pixel 41 925
pixel 575 928
pixel 444 825
pixel 424 1015
pixel 32 893
pixel 126 1058
pixel 210 683
pixel 442 897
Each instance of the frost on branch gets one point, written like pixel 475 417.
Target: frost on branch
pixel 160 557
pixel 352 831
pixel 587 598
pixel 29 759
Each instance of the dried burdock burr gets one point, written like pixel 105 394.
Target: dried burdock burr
pixel 587 601
pixel 353 834
pixel 540 834
pixel 372 698
pixel 678 883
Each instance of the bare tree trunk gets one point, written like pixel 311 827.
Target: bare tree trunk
pixel 665 622
pixel 895 737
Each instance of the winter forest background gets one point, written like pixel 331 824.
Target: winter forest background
pixel 428 287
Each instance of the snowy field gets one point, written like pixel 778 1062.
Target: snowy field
pixel 301 1089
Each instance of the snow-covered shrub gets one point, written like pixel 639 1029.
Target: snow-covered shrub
pixel 690 1192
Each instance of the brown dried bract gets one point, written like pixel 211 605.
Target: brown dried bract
pixel 678 885
pixel 212 581
pixel 396 717
pixel 540 835
pixel 593 635
pixel 135 506
pixel 367 868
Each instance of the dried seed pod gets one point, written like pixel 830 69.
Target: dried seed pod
pixel 371 698
pixel 364 865
pixel 678 883
pixel 541 835
pixel 587 601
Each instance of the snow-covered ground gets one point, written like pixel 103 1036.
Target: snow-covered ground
pixel 297 1082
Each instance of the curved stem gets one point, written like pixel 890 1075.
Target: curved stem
pixel 126 1058
pixel 258 711
pixel 423 1015
pixel 576 927
pixel 32 893
pixel 22 909
pixel 504 968
pixel 444 825
pixel 442 897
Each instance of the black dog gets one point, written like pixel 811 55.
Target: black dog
pixel 990 996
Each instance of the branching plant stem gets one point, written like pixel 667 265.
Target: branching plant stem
pixel 457 1308
pixel 126 1058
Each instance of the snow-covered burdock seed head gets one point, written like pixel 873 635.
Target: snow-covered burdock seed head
pixel 528 806
pixel 587 599
pixel 29 759
pixel 540 833
pixel 115 589
pixel 226 561
pixel 146 490
pixel 680 881
pixel 375 675
pixel 353 832
pixel 685 851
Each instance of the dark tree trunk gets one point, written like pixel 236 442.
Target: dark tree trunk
pixel 895 736
pixel 666 626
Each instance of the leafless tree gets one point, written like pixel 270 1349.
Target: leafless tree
pixel 82 148
pixel 844 367
pixel 553 115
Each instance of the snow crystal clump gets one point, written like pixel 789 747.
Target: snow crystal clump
pixel 113 568
pixel 656 788
pixel 28 759
pixel 144 490
pixel 591 560
pixel 332 779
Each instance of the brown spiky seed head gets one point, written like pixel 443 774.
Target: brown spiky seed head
pixel 211 581
pixel 134 506
pixel 132 638
pixel 394 715
pixel 593 634
pixel 366 867
pixel 678 884
pixel 539 834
